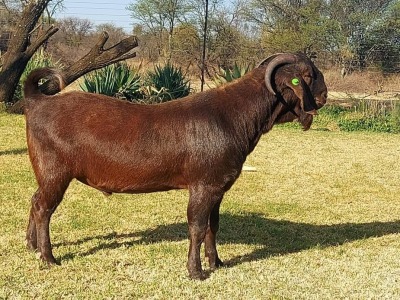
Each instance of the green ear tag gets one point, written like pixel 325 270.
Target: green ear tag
pixel 295 81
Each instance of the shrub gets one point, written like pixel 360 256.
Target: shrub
pixel 120 81
pixel 333 111
pixel 364 116
pixel 395 117
pixel 372 115
pixel 166 83
pixel 116 80
pixel 228 75
pixel 376 124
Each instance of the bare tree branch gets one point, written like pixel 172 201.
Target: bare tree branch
pixel 96 58
pixel 32 48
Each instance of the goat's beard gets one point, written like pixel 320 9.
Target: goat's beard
pixel 302 117
pixel 305 120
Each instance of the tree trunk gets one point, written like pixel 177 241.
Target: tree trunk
pixel 203 55
pixel 21 48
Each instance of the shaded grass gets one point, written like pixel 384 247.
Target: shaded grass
pixel 318 220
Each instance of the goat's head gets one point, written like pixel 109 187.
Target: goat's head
pixel 298 83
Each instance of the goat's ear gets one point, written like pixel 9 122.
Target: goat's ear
pixel 303 92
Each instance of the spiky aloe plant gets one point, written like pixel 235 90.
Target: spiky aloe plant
pixel 116 80
pixel 228 75
pixel 171 80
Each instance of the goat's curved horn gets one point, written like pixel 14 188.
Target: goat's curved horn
pixel 267 59
pixel 281 59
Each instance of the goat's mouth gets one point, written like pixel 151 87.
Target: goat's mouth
pixel 321 101
pixel 320 104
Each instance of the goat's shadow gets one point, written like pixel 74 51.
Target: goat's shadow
pixel 14 151
pixel 275 237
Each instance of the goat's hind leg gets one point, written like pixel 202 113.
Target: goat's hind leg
pixel 210 239
pixel 31 236
pixel 44 203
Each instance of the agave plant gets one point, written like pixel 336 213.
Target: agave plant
pixel 171 81
pixel 228 75
pixel 116 80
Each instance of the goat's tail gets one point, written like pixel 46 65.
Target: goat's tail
pixel 31 87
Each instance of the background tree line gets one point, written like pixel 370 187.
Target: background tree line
pixel 346 34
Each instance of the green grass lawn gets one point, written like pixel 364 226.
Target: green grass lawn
pixel 319 219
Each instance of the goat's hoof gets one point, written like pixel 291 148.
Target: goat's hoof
pixel 198 275
pixel 218 263
pixel 53 262
pixel 56 263
pixel 31 246
pixel 49 261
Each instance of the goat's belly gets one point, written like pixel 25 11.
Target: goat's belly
pixel 130 187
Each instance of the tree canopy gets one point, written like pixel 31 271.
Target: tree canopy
pixel 345 32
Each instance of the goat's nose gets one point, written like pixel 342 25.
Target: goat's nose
pixel 325 96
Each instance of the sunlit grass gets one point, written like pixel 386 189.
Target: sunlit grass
pixel 317 220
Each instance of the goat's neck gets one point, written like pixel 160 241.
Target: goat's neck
pixel 255 110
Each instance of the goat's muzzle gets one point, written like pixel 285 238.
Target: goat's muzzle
pixel 321 100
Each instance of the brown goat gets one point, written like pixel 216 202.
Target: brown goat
pixel 197 143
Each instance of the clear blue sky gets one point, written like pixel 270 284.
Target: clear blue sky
pixel 99 11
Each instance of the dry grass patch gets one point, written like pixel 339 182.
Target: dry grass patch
pixel 318 220
pixel 362 82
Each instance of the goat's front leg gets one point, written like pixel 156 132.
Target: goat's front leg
pixel 202 201
pixel 197 221
pixel 210 239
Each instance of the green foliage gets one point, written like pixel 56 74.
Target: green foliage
pixel 228 74
pixel 309 30
pixel 365 116
pixel 168 83
pixel 185 44
pixel 39 60
pixel 368 123
pixel 226 43
pixel 334 111
pixel 116 80
pixel 120 81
